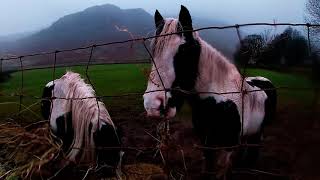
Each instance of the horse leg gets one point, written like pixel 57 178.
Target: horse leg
pixel 222 130
pixel 218 164
pixel 210 163
pixel 252 154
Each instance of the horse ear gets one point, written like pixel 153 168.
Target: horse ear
pixel 185 18
pixel 158 19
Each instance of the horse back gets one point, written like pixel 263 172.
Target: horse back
pixel 271 101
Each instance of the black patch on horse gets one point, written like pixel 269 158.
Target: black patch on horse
pixel 106 137
pixel 186 63
pixel 217 124
pixel 65 130
pixel 46 102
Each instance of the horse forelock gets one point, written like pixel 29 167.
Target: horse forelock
pixel 158 44
pixel 170 25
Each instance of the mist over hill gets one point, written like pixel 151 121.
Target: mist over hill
pixel 105 23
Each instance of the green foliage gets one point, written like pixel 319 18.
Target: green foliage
pixel 290 47
pixel 287 49
pixel 4 76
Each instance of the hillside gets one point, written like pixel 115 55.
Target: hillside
pixel 102 24
pixel 93 25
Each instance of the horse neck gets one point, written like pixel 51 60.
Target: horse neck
pixel 216 73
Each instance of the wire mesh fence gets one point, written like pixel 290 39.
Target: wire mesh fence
pixel 162 141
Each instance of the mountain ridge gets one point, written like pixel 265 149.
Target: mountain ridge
pixel 106 23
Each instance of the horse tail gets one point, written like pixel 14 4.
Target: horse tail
pixel 271 103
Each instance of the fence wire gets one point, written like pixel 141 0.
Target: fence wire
pixel 140 150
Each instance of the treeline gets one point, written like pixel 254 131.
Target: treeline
pixel 290 48
pixel 286 49
pixel 4 76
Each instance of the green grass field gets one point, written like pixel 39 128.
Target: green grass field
pixel 131 78
pixel 289 79
pixel 108 79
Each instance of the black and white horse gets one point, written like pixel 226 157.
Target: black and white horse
pixel 187 62
pixel 85 129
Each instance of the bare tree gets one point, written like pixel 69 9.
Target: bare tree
pixel 313 17
pixel 268 35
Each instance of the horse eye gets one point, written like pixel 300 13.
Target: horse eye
pixel 179 28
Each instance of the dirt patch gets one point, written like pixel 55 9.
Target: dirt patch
pixel 290 149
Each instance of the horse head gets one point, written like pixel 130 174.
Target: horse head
pixel 175 59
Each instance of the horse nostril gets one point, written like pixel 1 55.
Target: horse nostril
pixel 162 109
pixel 161 106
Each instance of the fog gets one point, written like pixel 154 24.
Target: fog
pixel 17 16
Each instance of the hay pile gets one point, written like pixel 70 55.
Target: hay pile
pixel 142 171
pixel 25 151
pixel 33 151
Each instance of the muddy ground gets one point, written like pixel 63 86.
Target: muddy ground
pixel 291 147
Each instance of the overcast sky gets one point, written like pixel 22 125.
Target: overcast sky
pixel 29 15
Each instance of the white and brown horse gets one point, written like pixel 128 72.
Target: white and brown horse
pixel 85 129
pixel 187 62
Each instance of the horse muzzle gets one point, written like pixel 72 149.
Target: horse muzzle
pixel 155 106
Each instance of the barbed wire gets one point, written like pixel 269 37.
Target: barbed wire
pixel 156 36
pixel 185 92
pixel 242 91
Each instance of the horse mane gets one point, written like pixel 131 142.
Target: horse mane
pixel 224 72
pixel 221 66
pixel 84 111
pixel 159 43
